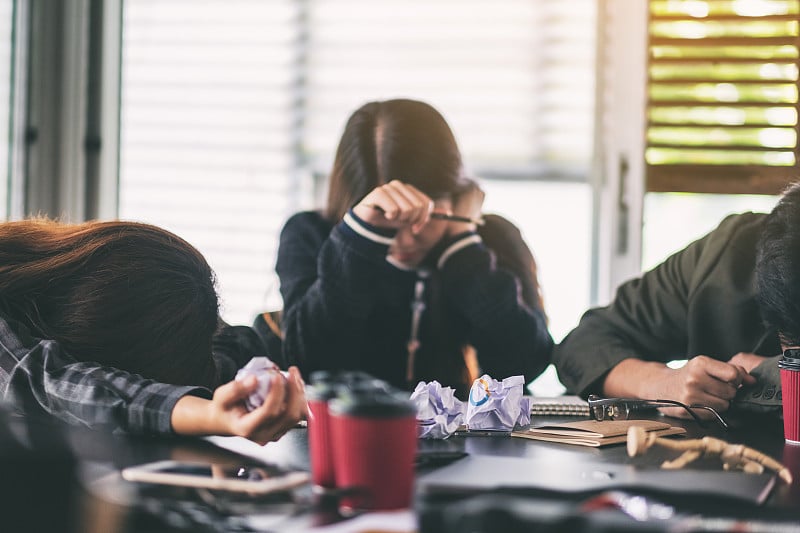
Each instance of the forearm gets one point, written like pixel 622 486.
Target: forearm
pixel 194 416
pixel 92 395
pixel 634 378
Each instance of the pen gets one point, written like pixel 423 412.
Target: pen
pixel 442 216
pixel 483 432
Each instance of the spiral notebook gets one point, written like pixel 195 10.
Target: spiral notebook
pixel 568 405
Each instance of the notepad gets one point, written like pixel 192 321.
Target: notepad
pixel 594 433
pixel 568 405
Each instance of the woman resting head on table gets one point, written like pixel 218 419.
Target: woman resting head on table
pixel 113 324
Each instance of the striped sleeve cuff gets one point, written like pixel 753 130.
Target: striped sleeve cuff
pixel 368 231
pixel 467 240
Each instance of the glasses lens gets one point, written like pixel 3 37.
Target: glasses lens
pixel 618 411
pixel 598 412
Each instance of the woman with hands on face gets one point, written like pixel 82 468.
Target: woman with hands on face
pixel 395 277
pixel 405 208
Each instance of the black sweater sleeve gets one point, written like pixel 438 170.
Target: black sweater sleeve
pixel 327 279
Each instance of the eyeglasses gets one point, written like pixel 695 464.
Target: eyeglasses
pixel 623 408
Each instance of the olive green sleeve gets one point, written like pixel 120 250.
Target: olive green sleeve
pixel 647 320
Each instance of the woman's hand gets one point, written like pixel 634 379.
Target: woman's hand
pixel 747 360
pixel 395 205
pixel 469 204
pixel 226 414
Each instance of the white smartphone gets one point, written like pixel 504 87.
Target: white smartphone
pixel 252 478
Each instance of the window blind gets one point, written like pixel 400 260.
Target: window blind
pixel 723 95
pixel 228 106
pixel 207 126
pixel 514 79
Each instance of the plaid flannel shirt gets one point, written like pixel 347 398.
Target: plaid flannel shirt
pixel 37 376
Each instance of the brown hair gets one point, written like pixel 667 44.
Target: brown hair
pixel 123 294
pixel 410 141
pixel 406 140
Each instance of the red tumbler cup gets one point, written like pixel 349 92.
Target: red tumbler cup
pixel 789 366
pixel 374 446
pixel 319 436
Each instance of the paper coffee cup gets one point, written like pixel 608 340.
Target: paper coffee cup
pixel 789 366
pixel 319 436
pixel 326 386
pixel 374 446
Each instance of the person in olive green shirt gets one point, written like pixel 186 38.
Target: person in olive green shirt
pixel 729 303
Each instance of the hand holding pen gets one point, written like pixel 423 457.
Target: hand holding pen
pixel 397 204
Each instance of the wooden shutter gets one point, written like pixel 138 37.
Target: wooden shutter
pixel 722 111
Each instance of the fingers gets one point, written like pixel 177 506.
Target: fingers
pixel 415 206
pixel 273 407
pixel 397 202
pixel 297 408
pixel 713 383
pixel 748 361
pixel 470 202
pixel 725 372
pixel 235 391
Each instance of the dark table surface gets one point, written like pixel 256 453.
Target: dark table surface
pixel 102 455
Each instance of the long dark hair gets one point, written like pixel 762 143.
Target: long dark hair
pixel 410 141
pixel 123 294
pixel 406 140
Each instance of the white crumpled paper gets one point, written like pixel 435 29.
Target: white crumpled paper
pixel 263 369
pixel 498 405
pixel 439 412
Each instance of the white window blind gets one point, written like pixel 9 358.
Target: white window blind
pixel 514 79
pixel 6 48
pixel 207 132
pixel 228 105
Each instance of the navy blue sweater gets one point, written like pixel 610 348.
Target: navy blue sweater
pixel 346 307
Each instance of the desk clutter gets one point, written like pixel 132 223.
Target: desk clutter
pixel 566 405
pixel 492 406
pixel 733 456
pixel 354 423
pixel 480 473
pixel 607 511
pixel 594 433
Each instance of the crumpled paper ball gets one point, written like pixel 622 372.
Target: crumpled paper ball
pixel 498 405
pixel 439 412
pixel 263 369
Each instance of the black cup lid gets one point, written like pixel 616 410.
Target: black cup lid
pixel 339 376
pixel 790 359
pixel 321 391
pixel 326 384
pixel 373 403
